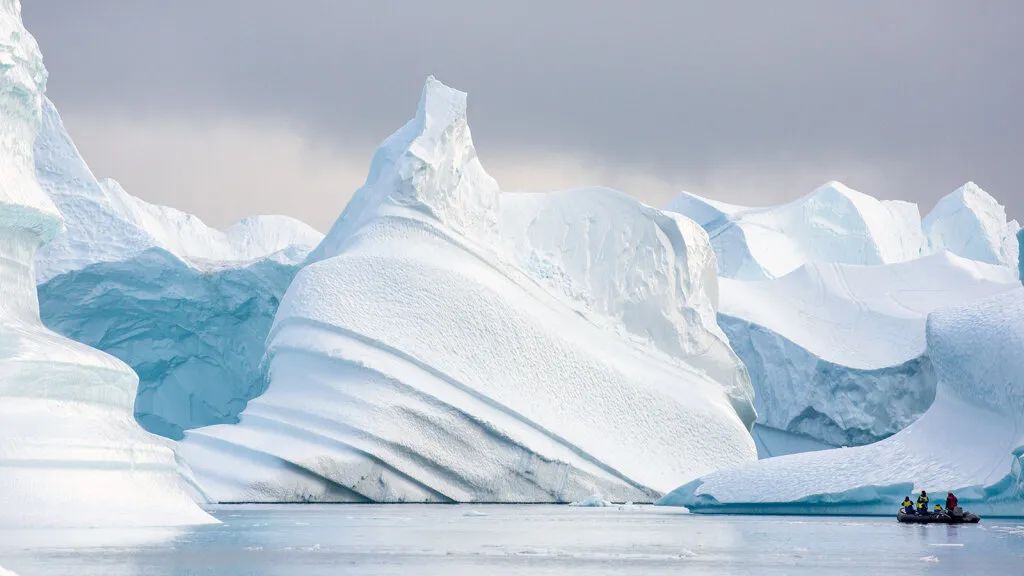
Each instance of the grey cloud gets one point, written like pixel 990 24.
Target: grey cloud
pixel 900 99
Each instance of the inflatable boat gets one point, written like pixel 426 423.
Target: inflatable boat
pixel 939 517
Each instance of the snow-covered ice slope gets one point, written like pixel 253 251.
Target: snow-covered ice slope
pixel 971 223
pixel 832 224
pixel 836 352
pixel 187 306
pixel 970 440
pixel 825 300
pixel 106 224
pixel 449 342
pixel 70 452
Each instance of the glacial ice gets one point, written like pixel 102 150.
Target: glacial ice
pixel 70 452
pixel 835 351
pixel 450 342
pixel 187 306
pixel 834 223
pixel 971 223
pixel 969 440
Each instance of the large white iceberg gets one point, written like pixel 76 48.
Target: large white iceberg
pixel 835 347
pixel 969 441
pixel 70 452
pixel 186 305
pixel 836 352
pixel 450 342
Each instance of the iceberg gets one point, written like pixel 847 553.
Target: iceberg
pixel 451 342
pixel 969 441
pixel 836 352
pixel 834 223
pixel 70 452
pixel 971 223
pixel 835 347
pixel 187 306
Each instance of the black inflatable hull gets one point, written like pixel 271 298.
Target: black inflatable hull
pixel 941 518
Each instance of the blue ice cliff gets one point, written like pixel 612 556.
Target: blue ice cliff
pixel 451 342
pixel 187 306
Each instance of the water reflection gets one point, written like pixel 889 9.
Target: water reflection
pixel 311 540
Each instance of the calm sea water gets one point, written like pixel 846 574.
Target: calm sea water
pixel 312 540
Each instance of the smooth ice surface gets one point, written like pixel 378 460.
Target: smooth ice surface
pixel 825 300
pixel 70 452
pixel 321 540
pixel 834 223
pixel 449 342
pixel 836 352
pixel 969 440
pixel 971 223
pixel 187 306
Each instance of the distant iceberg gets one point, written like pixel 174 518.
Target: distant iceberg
pixel 836 352
pixel 186 305
pixel 834 223
pixel 971 223
pixel 969 441
pixel 70 452
pixel 449 342
pixel 835 347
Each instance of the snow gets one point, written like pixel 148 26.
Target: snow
pixel 971 223
pixel 969 440
pixel 22 203
pixel 186 305
pixel 836 352
pixel 70 452
pixel 834 223
pixel 106 224
pixel 825 301
pixel 449 342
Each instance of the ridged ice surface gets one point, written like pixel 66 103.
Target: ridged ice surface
pixel 187 306
pixel 70 452
pixel 969 440
pixel 453 343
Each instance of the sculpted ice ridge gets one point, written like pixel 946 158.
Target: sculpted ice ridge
pixel 835 347
pixel 834 223
pixel 453 343
pixel 969 440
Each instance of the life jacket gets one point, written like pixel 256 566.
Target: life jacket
pixel 938 508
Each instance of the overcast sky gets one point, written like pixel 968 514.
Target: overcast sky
pixel 227 108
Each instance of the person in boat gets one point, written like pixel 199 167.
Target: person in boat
pixel 907 506
pixel 951 502
pixel 922 501
pixel 937 509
